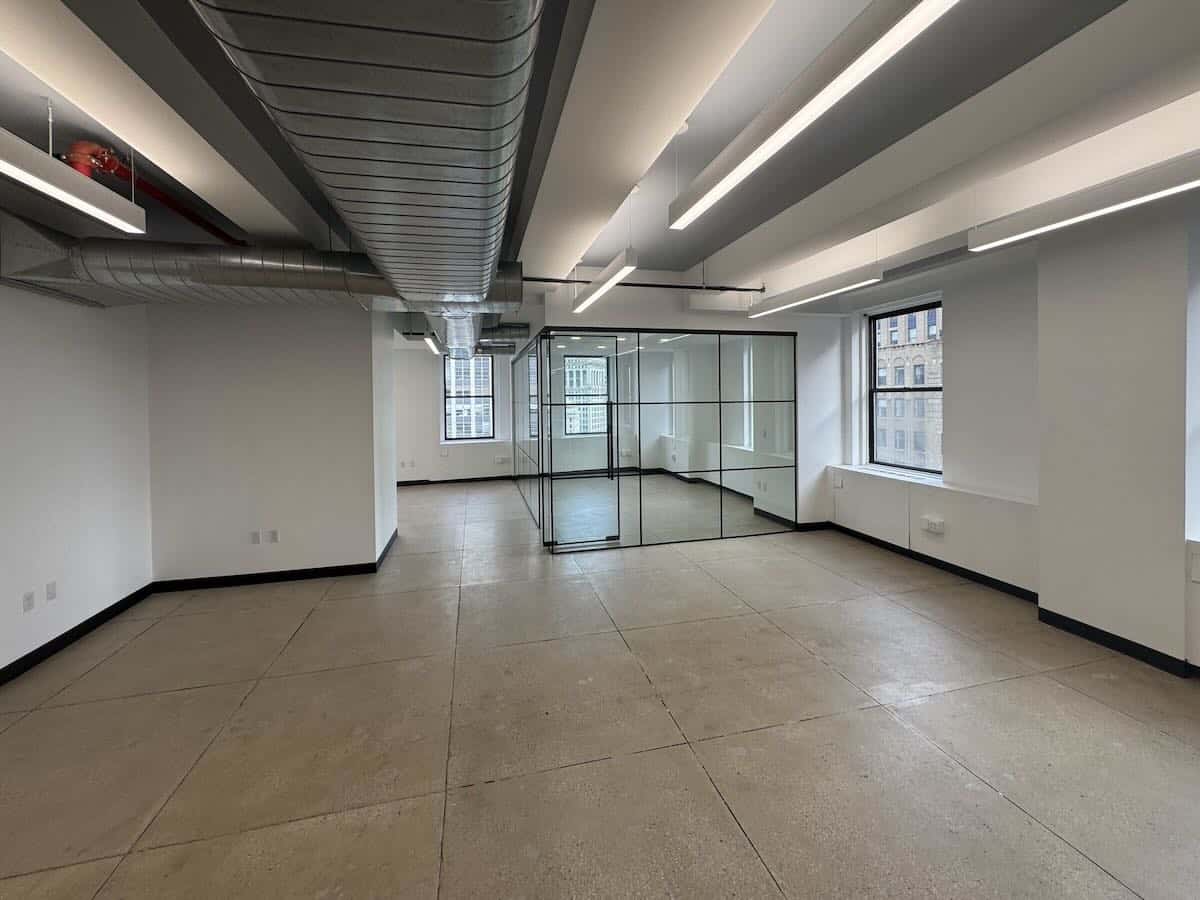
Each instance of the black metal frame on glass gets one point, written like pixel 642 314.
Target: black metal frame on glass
pixel 546 471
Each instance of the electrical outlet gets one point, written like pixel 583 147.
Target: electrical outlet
pixel 273 536
pixel 27 602
pixel 256 537
pixel 51 591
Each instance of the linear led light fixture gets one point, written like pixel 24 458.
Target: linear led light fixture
pixel 1155 183
pixel 821 290
pixel 36 169
pixel 624 263
pixel 432 345
pixel 884 29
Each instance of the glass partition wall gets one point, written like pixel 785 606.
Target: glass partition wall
pixel 624 438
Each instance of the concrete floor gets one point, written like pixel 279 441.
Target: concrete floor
pixel 801 714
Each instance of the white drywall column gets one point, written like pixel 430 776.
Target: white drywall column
pixel 1112 326
pixel 74 464
pixel 261 419
pixel 383 421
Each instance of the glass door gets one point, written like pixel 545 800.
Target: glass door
pixel 584 455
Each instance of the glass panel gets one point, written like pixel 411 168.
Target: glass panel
pixel 757 367
pixel 758 501
pixel 585 509
pixel 678 368
pixel 627 368
pixel 757 435
pixel 628 472
pixel 680 436
pixel 680 506
pixel 914 439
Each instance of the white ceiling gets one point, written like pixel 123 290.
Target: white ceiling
pixel 787 40
pixel 644 65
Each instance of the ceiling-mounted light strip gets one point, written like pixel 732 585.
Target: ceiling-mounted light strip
pixel 624 263
pixel 23 162
pixel 763 138
pixel 432 345
pixel 821 290
pixel 1155 183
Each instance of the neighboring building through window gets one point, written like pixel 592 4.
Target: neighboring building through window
pixel 586 394
pixel 468 398
pixel 915 396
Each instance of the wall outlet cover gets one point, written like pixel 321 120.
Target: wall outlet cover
pixel 273 536
pixel 256 537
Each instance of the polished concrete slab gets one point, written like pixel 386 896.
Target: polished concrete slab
pixel 796 714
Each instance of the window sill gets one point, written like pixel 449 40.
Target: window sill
pixel 461 441
pixel 922 478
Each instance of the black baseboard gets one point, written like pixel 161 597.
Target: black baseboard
pixel 1148 655
pixel 387 548
pixel 419 481
pixel 813 526
pixel 969 574
pixel 48 649
pixel 786 523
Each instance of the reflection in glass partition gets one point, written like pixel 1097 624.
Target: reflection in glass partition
pixel 631 438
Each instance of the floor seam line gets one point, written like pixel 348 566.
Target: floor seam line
pixel 204 752
pixel 449 735
pixel 928 739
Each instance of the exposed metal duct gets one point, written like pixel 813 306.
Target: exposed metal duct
pixel 111 272
pixel 408 115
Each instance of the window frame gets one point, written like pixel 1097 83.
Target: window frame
pixel 446 395
pixel 874 389
pixel 567 398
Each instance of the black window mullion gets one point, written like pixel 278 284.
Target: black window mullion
pixel 876 389
pixel 491 399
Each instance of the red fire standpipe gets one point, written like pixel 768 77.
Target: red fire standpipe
pixel 87 156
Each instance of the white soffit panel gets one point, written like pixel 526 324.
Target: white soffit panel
pixel 45 38
pixel 644 66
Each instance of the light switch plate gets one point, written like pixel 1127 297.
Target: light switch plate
pixel 51 591
pixel 27 602
pixel 256 537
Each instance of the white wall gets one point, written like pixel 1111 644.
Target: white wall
pixel 421 454
pixel 74 463
pixel 1112 327
pixel 990 441
pixel 383 404
pixel 260 418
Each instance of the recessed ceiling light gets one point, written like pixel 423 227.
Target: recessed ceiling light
pixel 432 346
pixel 576 338
pixel 561 346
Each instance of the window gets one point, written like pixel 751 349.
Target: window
pixel 533 396
pixel 912 375
pixel 468 398
pixel 586 393
pixel 894 331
